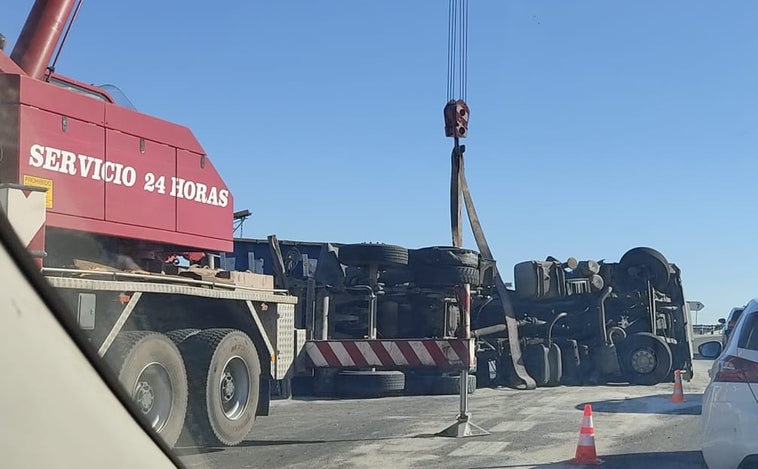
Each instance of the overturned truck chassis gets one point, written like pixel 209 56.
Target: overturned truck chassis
pixel 591 322
pixel 579 323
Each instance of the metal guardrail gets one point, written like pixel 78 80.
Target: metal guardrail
pixel 703 329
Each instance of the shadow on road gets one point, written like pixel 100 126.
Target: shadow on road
pixel 671 460
pixel 183 451
pixel 658 404
pixel 190 450
pixel 316 442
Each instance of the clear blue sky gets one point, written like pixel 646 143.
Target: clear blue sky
pixel 596 126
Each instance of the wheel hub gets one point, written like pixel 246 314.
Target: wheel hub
pixel 153 394
pixel 227 387
pixel 234 388
pixel 644 360
pixel 145 396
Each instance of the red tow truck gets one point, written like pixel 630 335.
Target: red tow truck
pixel 108 199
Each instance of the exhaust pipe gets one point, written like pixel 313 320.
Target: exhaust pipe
pixel 41 32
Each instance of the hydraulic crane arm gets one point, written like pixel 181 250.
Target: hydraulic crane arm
pixel 41 33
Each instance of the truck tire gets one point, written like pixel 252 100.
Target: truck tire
pixel 180 335
pixel 446 276
pixel 362 384
pixel 223 371
pixel 436 384
pixel 451 384
pixel 151 369
pixel 365 254
pixel 443 255
pixel 645 359
pixel 640 264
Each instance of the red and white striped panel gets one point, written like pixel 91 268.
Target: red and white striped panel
pixel 398 353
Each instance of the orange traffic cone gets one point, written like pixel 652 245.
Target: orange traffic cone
pixel 585 450
pixel 678 395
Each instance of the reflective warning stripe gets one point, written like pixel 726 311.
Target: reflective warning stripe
pixel 587 425
pixel 361 353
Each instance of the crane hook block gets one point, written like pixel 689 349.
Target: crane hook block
pixel 456 118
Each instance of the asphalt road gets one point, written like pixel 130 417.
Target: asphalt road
pixel 635 426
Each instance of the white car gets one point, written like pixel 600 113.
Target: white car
pixel 729 420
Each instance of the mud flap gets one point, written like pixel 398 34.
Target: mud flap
pixel 265 397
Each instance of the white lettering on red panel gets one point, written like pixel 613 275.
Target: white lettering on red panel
pixel 66 162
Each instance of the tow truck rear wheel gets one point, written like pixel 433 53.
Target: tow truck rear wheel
pixel 223 372
pixel 151 369
pixel 180 335
pixel 646 359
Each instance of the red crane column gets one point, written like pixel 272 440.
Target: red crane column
pixel 40 35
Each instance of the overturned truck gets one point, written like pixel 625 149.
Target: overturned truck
pixel 590 322
pixel 579 323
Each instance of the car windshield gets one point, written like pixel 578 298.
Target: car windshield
pixel 407 234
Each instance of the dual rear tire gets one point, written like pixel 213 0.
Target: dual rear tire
pixel 200 385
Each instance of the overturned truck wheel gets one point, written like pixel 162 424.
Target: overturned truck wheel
pixel 443 255
pixel 223 371
pixel 366 254
pixel 419 384
pixel 641 264
pixel 369 383
pixel 151 369
pixel 645 359
pixel 446 276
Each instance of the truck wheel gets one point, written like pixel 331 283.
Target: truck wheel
pixel 365 254
pixel 369 383
pixel 646 359
pixel 180 335
pixel 223 371
pixel 640 264
pixel 443 255
pixel 446 276
pixel 151 369
pixel 451 384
